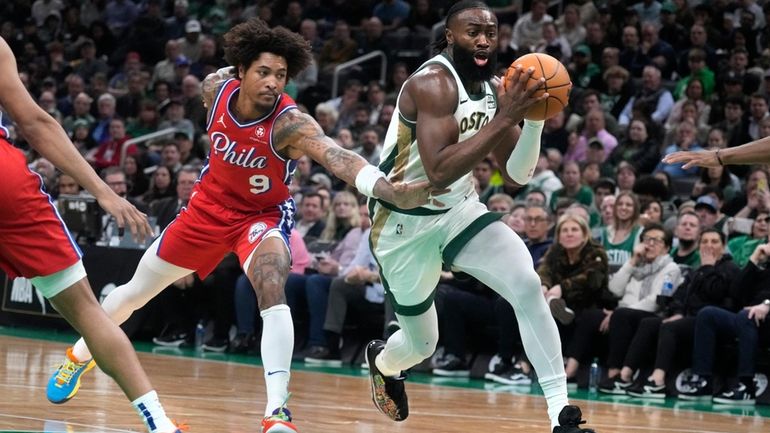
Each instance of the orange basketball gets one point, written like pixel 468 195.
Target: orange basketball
pixel 557 84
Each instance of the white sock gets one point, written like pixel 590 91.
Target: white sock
pixel 277 346
pixel 151 411
pixel 555 391
pixel 80 351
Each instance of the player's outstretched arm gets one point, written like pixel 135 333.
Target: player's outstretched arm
pixel 755 152
pixel 48 138
pixel 296 133
pixel 430 98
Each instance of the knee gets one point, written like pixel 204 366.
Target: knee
pixel 708 314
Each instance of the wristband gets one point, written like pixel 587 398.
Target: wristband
pixel 366 178
pixel 719 159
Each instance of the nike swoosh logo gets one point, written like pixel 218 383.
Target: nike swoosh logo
pixel 464 101
pixel 270 373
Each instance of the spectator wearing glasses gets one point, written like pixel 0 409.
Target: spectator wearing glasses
pixel 637 284
pixel 673 333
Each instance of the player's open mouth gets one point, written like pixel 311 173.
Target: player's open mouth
pixel 481 58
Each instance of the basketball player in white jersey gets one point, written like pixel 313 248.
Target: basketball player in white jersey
pixel 449 117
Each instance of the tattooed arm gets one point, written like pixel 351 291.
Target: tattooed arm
pixel 296 134
pixel 211 84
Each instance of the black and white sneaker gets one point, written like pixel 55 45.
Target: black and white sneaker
pixel 172 339
pixel 510 375
pixel 560 311
pixel 739 395
pixel 570 420
pixel 614 385
pixel 697 388
pixel 452 366
pixel 648 389
pixel 388 393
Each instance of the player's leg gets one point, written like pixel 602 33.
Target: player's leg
pixel 507 268
pixel 267 269
pixel 152 275
pixel 112 350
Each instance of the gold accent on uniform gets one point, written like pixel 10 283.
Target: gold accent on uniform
pixel 404 140
pixel 381 215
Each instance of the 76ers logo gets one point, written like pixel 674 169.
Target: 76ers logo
pixel 259 131
pixel 255 230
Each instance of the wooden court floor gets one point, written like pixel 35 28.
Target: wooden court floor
pixel 214 396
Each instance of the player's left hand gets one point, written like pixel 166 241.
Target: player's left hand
pixel 409 195
pixel 701 158
pixel 126 215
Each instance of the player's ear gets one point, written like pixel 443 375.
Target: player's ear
pixel 241 72
pixel 449 36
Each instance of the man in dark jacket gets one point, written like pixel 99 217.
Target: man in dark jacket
pixel 716 325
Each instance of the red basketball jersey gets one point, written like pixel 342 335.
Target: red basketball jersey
pixel 244 171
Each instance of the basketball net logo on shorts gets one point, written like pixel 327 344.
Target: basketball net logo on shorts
pixel 222 145
pixel 255 230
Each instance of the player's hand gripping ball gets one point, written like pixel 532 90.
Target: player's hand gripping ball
pixel 557 84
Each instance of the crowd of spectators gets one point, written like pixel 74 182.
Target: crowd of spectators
pixel 610 228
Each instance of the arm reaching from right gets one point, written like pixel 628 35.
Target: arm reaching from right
pixel 48 138
pixel 755 152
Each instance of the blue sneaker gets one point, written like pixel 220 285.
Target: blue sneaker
pixel 64 384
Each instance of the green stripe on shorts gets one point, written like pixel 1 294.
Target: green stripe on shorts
pixel 456 245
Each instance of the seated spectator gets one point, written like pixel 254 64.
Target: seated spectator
pixel 686 140
pixel 537 229
pixel 701 111
pixel 161 185
pixel 637 283
pixel 333 252
pixel 708 206
pixel 311 221
pixel 618 89
pixel 755 198
pixel 515 218
pixel 553 44
pixel 108 153
pixel 718 177
pixel 135 175
pixel 81 112
pixel 742 247
pixel 673 332
pixel 357 285
pixel 625 176
pixel 638 149
pixel 654 101
pixel 687 233
pixel 696 60
pixel 573 187
pixel 652 212
pixel 166 209
pixel 574 274
pixel 464 307
pixel 621 236
pixel 715 327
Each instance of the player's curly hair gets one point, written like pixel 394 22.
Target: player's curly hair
pixel 244 43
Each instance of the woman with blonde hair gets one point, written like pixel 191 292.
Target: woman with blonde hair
pixel 574 275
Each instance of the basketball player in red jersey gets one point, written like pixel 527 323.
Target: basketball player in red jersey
pixel 35 244
pixel 241 202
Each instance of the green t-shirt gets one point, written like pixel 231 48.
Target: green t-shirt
pixel 620 253
pixel 741 248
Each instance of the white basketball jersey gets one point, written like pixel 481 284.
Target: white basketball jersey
pixel 400 156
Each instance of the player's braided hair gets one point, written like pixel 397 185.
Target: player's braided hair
pixel 244 43
pixel 456 8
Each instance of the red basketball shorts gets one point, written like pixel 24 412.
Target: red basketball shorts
pixel 34 241
pixel 205 231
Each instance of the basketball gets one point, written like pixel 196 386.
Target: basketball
pixel 557 84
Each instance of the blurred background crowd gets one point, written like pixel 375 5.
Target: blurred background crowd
pixel 647 267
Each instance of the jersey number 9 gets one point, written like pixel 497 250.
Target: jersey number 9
pixel 260 182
